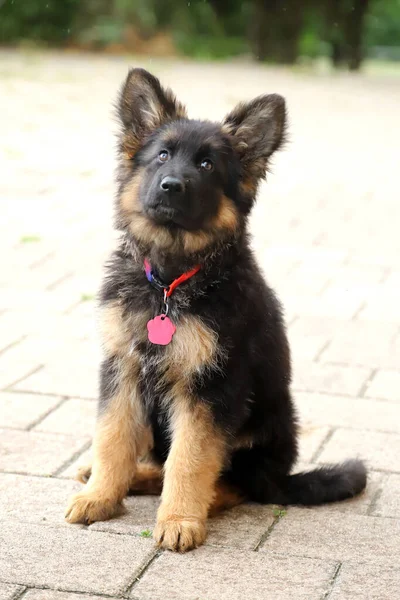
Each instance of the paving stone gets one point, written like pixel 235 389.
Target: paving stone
pixel 366 582
pixel 50 301
pixel 388 502
pixel 233 575
pixel 9 591
pixel 9 335
pixel 57 378
pixel 310 439
pixel 22 410
pixel 35 499
pixel 341 411
pixel 365 344
pixel 393 281
pixel 240 527
pixel 317 377
pixel 382 308
pixel 341 537
pixel 303 280
pixel 15 324
pixel 332 305
pixel 305 348
pixel 51 451
pixel 318 327
pixel 83 459
pixel 53 595
pixel 71 558
pixel 349 274
pixel 308 335
pixel 385 384
pixel 327 256
pixel 12 368
pixel 74 417
pixel 379 450
pixel 51 349
pixel 140 515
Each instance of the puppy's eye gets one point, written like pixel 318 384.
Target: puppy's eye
pixel 163 156
pixel 206 165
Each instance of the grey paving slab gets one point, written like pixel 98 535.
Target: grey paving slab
pixel 311 437
pixel 387 503
pixel 140 516
pixel 35 452
pixel 328 306
pixel 325 241
pixel 332 379
pixel 9 591
pixel 12 369
pixel 45 347
pixel 74 417
pixel 57 378
pixel 379 450
pixel 70 558
pixel 337 536
pixel 54 595
pixel 366 582
pixel 83 459
pixel 378 309
pixel 35 499
pixel 241 527
pixel 22 410
pixel 233 575
pixel 385 384
pixel 341 411
pixel 365 344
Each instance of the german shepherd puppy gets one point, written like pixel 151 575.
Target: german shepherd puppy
pixel 194 390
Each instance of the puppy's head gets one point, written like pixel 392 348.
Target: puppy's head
pixel 187 185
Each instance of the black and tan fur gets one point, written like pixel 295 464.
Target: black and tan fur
pixel 207 419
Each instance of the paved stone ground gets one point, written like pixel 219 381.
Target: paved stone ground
pixel 327 232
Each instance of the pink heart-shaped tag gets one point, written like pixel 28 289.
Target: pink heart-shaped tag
pixel 160 330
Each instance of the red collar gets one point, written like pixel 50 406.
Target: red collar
pixel 168 289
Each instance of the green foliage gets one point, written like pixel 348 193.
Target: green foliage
pixel 147 533
pixel 39 20
pixel 199 31
pixel 201 28
pixel 209 47
pixel 103 31
pixel 383 23
pixel 279 512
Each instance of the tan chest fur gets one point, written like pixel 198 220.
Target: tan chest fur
pixel 193 349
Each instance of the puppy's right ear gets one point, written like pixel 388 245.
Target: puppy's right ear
pixel 144 105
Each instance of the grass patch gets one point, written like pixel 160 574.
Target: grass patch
pixel 87 297
pixel 30 239
pixel 279 512
pixel 146 533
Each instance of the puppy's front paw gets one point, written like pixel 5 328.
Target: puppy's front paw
pixel 88 507
pixel 180 535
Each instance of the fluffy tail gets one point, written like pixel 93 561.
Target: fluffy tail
pixel 326 484
pixel 260 483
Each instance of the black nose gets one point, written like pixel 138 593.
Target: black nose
pixel 172 184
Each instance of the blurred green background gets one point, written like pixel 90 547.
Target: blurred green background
pixel 278 31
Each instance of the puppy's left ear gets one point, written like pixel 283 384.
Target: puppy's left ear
pixel 258 130
pixel 144 105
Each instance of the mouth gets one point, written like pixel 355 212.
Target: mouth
pixel 165 215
